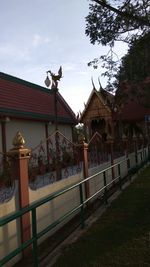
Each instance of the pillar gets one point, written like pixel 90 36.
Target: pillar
pixel 84 148
pixel 19 156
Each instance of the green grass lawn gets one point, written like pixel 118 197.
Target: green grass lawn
pixel 121 237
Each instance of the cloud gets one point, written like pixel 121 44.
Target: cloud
pixel 21 51
pixel 12 52
pixel 36 40
pixel 82 73
pixel 39 40
pixel 68 66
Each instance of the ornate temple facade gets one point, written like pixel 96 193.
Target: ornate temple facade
pixel 102 114
pixel 99 114
pixel 126 126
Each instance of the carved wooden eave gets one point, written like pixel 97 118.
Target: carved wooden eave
pixel 103 104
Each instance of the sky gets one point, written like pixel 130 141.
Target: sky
pixel 41 35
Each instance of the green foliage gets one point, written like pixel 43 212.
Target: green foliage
pixel 136 64
pixel 124 20
pixel 134 72
pixel 78 131
pixel 108 21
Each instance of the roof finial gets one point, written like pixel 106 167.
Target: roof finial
pixel 54 78
pixel 18 141
pixel 100 86
pixel 93 83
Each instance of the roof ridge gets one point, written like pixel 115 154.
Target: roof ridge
pixel 66 104
pixel 9 77
pixel 104 90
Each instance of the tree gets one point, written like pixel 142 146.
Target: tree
pixel 135 66
pixel 126 21
pixel 134 73
pixel 114 21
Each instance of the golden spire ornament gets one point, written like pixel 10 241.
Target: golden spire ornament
pixel 18 141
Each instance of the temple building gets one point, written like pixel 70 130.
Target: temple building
pixel 31 109
pixel 112 120
pixel 99 113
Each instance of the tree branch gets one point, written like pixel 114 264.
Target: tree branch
pixel 141 20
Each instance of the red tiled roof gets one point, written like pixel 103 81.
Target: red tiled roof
pixel 28 100
pixel 133 107
pixel 134 111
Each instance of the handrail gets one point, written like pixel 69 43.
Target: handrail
pixel 32 208
pixel 22 211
